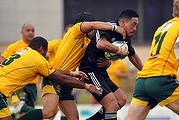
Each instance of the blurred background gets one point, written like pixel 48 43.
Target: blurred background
pixel 51 16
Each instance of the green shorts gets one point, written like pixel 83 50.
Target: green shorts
pixel 156 90
pixel 28 94
pixel 64 92
pixel 4 110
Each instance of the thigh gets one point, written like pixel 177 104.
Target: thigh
pixel 99 81
pixel 50 87
pixel 50 103
pixel 137 112
pixel 173 101
pixel 66 93
pixel 120 97
pixel 118 93
pixel 174 106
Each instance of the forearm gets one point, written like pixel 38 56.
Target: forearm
pixel 65 72
pixel 106 46
pixel 86 27
pixel 67 80
pixel 135 60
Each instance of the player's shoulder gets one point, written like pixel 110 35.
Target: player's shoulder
pixel 54 41
pixel 34 54
pixel 16 43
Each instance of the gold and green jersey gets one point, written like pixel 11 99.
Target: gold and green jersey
pixel 21 69
pixel 52 48
pixel 115 69
pixel 162 60
pixel 14 47
pixel 71 49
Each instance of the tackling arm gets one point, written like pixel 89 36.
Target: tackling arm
pixel 87 27
pixel 69 81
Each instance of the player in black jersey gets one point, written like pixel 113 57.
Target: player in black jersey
pixel 112 97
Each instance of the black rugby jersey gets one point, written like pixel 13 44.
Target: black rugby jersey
pixel 92 53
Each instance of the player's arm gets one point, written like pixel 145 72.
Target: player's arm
pixel 77 74
pixel 102 42
pixel 87 27
pixel 104 45
pixel 136 61
pixel 176 48
pixel 69 81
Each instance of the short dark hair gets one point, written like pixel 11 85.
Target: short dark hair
pixel 83 16
pixel 37 42
pixel 128 14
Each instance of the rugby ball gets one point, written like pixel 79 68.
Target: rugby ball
pixel 123 51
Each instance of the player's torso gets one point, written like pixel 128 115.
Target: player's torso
pixel 162 60
pixel 71 49
pixel 15 75
pixel 93 54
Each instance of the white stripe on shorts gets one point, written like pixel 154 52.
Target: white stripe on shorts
pixel 94 80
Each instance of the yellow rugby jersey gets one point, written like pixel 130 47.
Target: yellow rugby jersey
pixel 162 60
pixel 116 66
pixel 14 47
pixel 21 68
pixel 71 49
pixel 52 48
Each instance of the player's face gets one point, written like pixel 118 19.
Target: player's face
pixel 130 26
pixel 28 32
pixel 43 52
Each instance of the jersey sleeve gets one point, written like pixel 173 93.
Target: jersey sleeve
pixel 43 67
pixel 8 51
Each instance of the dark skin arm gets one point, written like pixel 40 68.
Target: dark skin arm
pixel 61 78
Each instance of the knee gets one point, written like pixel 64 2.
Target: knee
pixel 122 99
pixel 112 106
pixel 122 102
pixel 49 113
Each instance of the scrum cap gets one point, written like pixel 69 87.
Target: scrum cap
pixel 83 16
